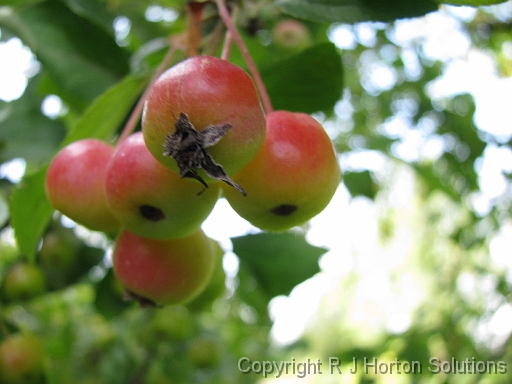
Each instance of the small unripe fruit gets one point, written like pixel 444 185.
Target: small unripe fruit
pixel 24 281
pixel 170 271
pixel 75 184
pixel 204 352
pixel 149 199
pixel 210 92
pixel 293 177
pixel 291 35
pixel 22 360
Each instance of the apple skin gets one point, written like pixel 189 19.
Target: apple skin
pixel 150 200
pixel 164 272
pixel 216 286
pixel 210 91
pixel 24 281
pixel 22 360
pixel 75 181
pixel 292 178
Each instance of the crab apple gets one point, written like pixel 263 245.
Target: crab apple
pixel 211 93
pixel 24 281
pixel 75 181
pixel 171 271
pixel 292 178
pixel 216 286
pixel 291 35
pixel 22 360
pixel 149 199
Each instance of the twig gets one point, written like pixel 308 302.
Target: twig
pixel 137 111
pixel 224 14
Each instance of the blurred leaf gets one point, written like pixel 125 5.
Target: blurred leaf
pixel 278 262
pixel 296 83
pixel 473 3
pixel 29 206
pixel 26 132
pixel 360 184
pixel 353 11
pixel 82 58
pixel 4 211
pixel 30 212
pixel 109 298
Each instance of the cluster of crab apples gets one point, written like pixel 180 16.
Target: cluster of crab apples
pixel 204 136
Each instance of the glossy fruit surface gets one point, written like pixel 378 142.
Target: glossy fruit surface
pixel 150 200
pixel 163 271
pixel 210 91
pixel 75 184
pixel 293 177
pixel 24 281
pixel 216 286
pixel 22 360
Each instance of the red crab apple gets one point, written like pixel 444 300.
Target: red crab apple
pixel 210 92
pixel 75 184
pixel 22 360
pixel 292 178
pixel 149 199
pixel 170 271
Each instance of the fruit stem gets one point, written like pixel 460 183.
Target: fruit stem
pixel 137 111
pixel 224 14
pixel 226 49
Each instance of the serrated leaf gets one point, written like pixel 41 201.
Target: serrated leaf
pixel 278 262
pixel 353 11
pixel 308 82
pixel 30 209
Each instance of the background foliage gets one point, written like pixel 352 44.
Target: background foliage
pixel 96 57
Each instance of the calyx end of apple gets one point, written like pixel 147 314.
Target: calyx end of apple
pixel 188 147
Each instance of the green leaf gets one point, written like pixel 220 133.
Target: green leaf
pixel 106 114
pixel 353 11
pixel 26 132
pixel 278 262
pixel 30 209
pixel 297 84
pixel 81 57
pixel 360 184
pixel 4 211
pixel 30 212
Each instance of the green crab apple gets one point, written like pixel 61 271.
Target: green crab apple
pixel 149 199
pixel 203 119
pixel 22 360
pixel 216 286
pixel 291 35
pixel 23 281
pixel 171 271
pixel 75 181
pixel 292 178
pixel 204 351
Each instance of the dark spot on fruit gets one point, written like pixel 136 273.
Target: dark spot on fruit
pixel 284 209
pixel 151 213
